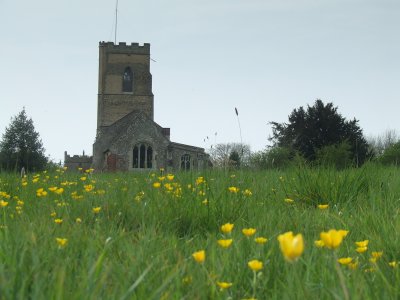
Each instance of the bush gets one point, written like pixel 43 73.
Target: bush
pixel 273 158
pixel 338 156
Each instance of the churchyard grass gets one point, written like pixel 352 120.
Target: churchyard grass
pixel 77 235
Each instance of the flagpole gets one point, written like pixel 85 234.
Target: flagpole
pixel 116 22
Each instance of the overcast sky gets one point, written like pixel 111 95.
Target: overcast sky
pixel 265 57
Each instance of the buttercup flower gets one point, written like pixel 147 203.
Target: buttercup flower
pixel 58 221
pixel 88 187
pixel 323 206
pixel 292 246
pixel 3 203
pixel 255 265
pixel 233 189
pixel 247 192
pixel 261 240
pixel 376 254
pixel 225 243
pixel 62 242
pixel 345 260
pixel 199 256
pixel 41 192
pixel 361 249
pixel 353 265
pixel 333 238
pixel 156 185
pixel 393 264
pixel 224 285
pixel 199 180
pixel 249 231
pixel 96 210
pixel 288 200
pixel 319 243
pixel 362 243
pixel 227 228
pixel 59 191
pixel 170 177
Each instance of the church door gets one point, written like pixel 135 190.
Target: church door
pixel 112 162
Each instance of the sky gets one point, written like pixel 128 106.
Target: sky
pixel 264 57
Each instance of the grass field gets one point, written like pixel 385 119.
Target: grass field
pixel 68 235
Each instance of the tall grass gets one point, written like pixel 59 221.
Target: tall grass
pixel 140 244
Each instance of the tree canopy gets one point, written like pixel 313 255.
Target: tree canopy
pixel 310 130
pixel 21 145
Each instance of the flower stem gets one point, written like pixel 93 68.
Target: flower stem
pixel 341 278
pixel 254 283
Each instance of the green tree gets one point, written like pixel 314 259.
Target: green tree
pixel 234 159
pixel 391 155
pixel 21 146
pixel 319 126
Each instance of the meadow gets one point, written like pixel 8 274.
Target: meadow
pixel 210 235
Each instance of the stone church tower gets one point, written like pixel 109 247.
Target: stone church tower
pixel 124 82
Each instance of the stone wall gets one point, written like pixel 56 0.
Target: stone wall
pixel 198 158
pixel 73 163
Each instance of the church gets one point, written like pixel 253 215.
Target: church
pixel 128 138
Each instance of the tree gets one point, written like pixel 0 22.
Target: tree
pixel 391 155
pixel 378 144
pixel 319 126
pixel 21 146
pixel 220 154
pixel 234 158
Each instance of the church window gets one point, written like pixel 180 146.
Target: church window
pixel 135 157
pixel 142 157
pixel 185 162
pixel 149 157
pixel 127 81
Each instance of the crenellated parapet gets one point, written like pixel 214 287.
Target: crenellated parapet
pixel 134 48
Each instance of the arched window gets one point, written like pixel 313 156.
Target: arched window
pixel 135 157
pixel 142 157
pixel 185 162
pixel 127 81
pixel 149 157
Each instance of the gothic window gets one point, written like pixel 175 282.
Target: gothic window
pixel 127 81
pixel 142 157
pixel 135 157
pixel 149 157
pixel 185 162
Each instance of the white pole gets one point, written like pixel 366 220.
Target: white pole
pixel 116 22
